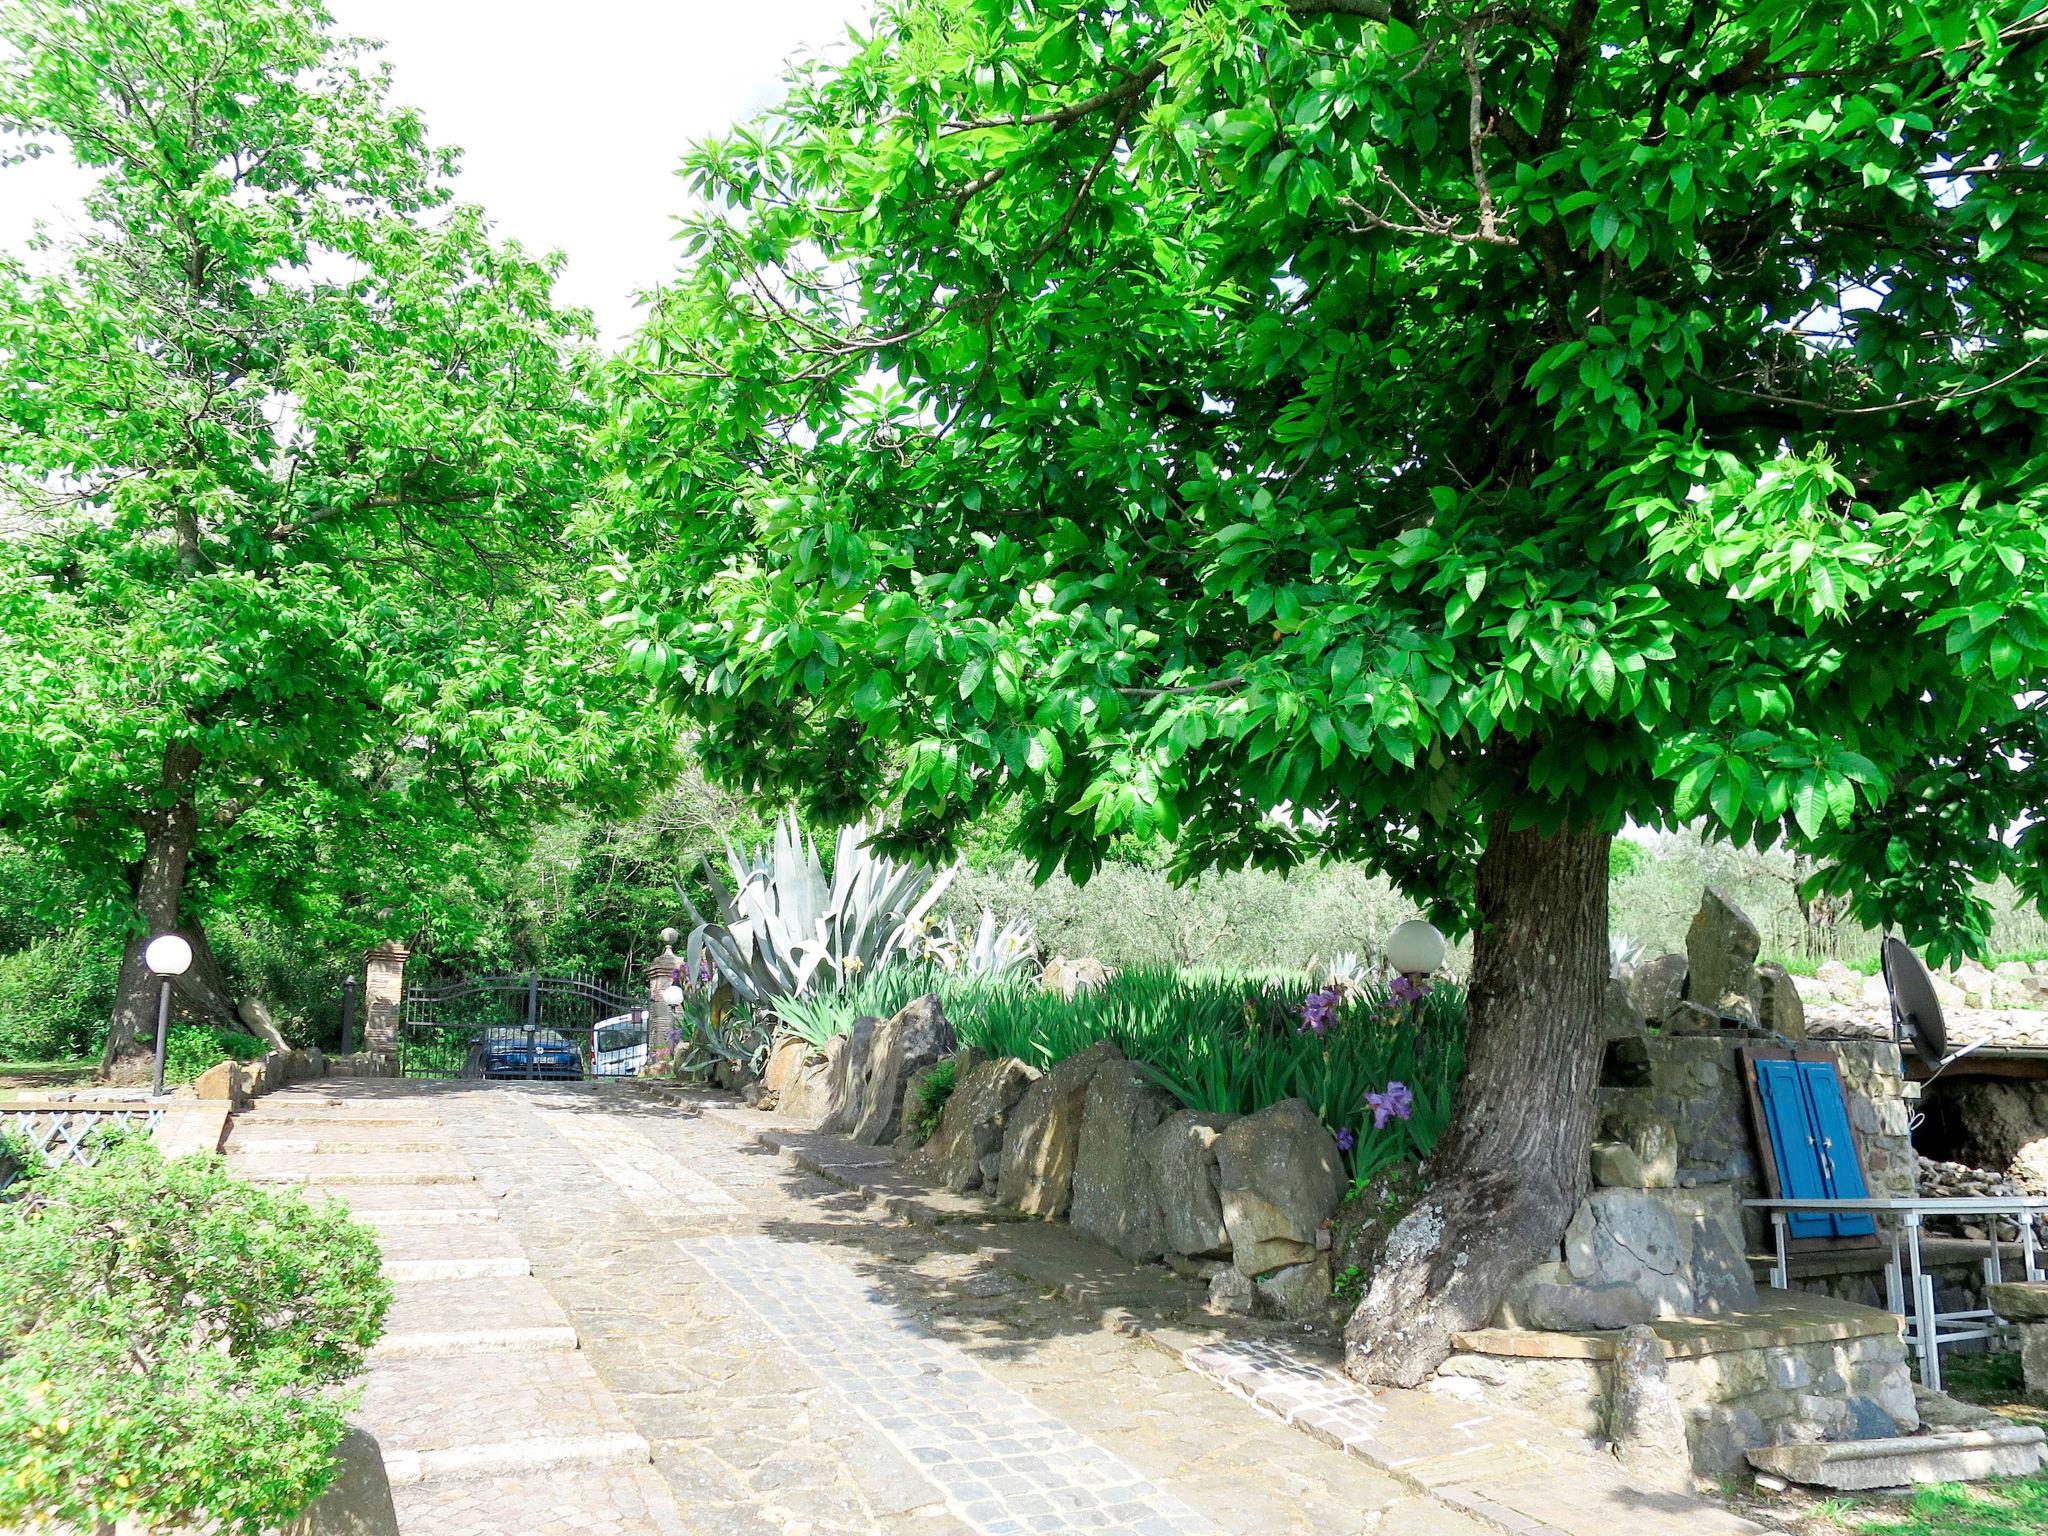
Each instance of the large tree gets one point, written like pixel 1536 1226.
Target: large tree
pixel 294 450
pixel 1432 433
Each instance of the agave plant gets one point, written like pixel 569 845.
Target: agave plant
pixel 993 951
pixel 785 929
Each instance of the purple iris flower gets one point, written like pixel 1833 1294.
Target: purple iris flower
pixel 1395 1102
pixel 1319 1010
pixel 1346 1139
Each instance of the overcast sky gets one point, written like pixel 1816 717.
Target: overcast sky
pixel 572 116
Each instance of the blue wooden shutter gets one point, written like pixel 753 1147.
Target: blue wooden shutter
pixel 1840 1167
pixel 1795 1141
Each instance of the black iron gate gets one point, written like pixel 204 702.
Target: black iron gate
pixel 521 1029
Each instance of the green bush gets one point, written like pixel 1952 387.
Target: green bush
pixel 169 1340
pixel 190 1049
pixel 55 997
pixel 934 1089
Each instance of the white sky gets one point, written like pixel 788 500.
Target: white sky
pixel 572 117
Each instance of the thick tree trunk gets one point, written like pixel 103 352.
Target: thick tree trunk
pixel 1512 1167
pixel 169 832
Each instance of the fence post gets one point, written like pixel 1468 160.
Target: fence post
pixel 661 1018
pixel 348 1015
pixel 384 999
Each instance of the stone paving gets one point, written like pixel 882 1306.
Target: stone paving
pixel 797 1362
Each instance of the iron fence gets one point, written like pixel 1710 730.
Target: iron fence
pixel 522 1028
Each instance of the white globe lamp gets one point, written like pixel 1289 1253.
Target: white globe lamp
pixel 672 995
pixel 166 955
pixel 1415 949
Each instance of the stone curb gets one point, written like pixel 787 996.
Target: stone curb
pixel 974 1228
pixel 475 1341
pixel 513 1456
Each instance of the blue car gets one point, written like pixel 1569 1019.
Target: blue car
pixel 540 1054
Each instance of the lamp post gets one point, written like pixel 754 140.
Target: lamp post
pixel 166 955
pixel 1415 949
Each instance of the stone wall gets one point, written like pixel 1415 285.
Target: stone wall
pixel 1241 1202
pixel 1847 1389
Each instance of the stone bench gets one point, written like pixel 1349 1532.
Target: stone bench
pixel 2024 1304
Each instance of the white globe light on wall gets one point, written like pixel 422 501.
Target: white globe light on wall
pixel 672 995
pixel 168 955
pixel 1415 948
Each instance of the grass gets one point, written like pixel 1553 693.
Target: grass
pixel 2008 1507
pixel 22 1078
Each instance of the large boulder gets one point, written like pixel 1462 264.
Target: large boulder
pixel 847 1077
pixel 1280 1177
pixel 807 1097
pixel 1682 1249
pixel 1071 977
pixel 783 1065
pixel 1044 1135
pixel 1180 1160
pixel 970 1134
pixel 1113 1199
pixel 1657 986
pixel 1721 948
pixel 358 1502
pixel 1783 1010
pixel 899 1046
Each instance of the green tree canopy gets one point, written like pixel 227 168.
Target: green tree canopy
pixel 1436 433
pixel 294 450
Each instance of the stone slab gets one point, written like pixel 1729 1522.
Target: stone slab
pixel 438 1403
pixel 2019 1301
pixel 1778 1318
pixel 1852 1466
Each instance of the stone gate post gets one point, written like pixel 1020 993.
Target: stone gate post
pixel 661 1018
pixel 383 998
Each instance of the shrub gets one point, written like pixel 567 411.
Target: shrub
pixel 55 997
pixel 171 1338
pixel 190 1049
pixel 921 1117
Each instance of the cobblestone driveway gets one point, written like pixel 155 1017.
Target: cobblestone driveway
pixel 794 1363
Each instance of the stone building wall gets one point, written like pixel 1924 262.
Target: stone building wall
pixel 1695 1084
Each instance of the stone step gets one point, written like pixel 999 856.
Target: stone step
pixel 459 1306
pixel 1944 1456
pixel 350 1168
pixel 516 1456
pixel 398 1204
pixel 431 1219
pixel 441 1345
pixel 414 1242
pixel 271 1143
pixel 431 1406
pixel 481 1267
pixel 266 1117
pixel 558 1501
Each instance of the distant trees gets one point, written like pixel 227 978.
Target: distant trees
pixel 294 451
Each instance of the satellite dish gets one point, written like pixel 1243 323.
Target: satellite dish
pixel 1916 1011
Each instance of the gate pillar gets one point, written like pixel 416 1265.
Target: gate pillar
pixel 661 1018
pixel 383 998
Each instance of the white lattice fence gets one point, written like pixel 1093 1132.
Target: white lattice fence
pixel 63 1133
